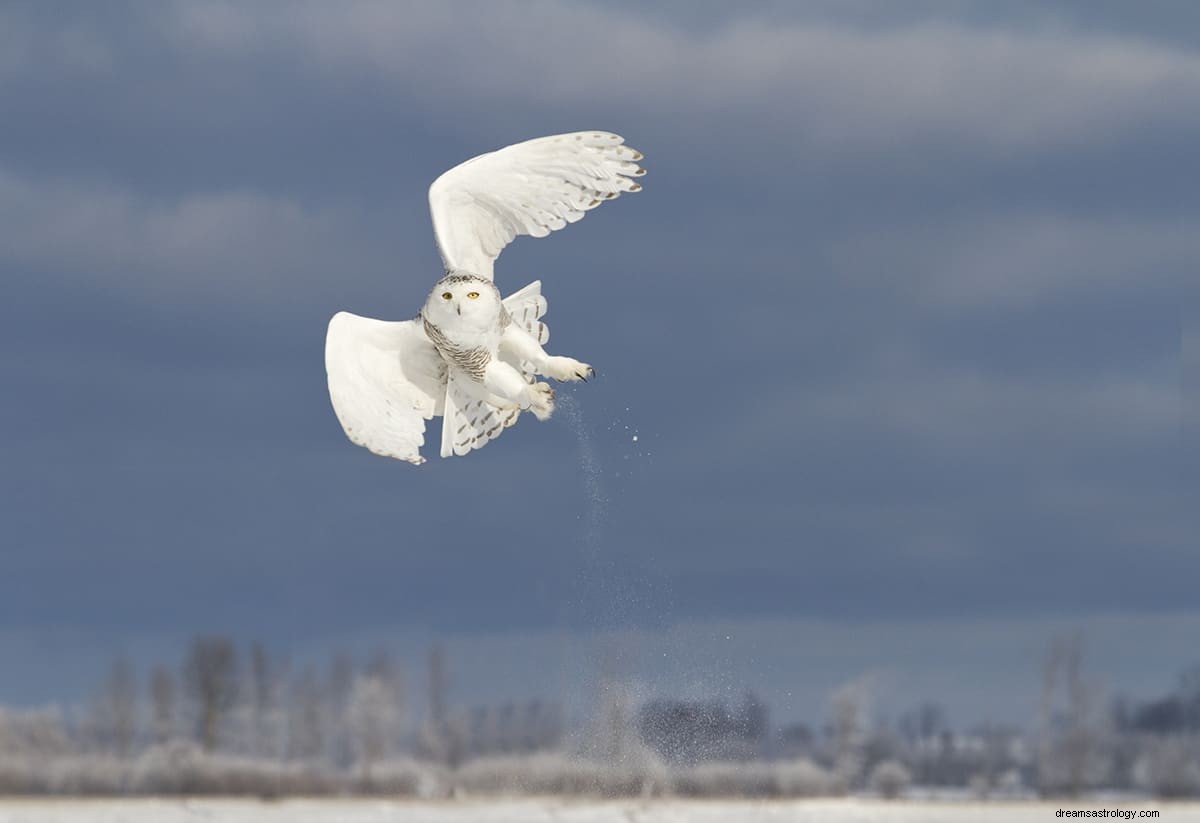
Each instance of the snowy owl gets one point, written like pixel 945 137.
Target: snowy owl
pixel 469 355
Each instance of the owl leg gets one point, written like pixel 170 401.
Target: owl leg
pixel 506 383
pixel 519 346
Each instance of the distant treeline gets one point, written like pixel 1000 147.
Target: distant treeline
pixel 243 721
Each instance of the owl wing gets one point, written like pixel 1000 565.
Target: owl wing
pixel 531 188
pixel 385 380
pixel 525 308
pixel 473 418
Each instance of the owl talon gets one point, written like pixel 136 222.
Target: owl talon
pixel 541 400
pixel 566 369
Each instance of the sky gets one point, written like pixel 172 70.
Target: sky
pixel 904 323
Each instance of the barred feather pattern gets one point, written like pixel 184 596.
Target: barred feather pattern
pixel 471 361
pixel 477 422
pixel 525 308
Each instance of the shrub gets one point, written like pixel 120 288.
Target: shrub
pixel 890 779
pixel 723 779
pixel 804 778
pixel 1170 768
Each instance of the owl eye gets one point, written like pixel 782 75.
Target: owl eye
pixel 472 294
pixel 446 295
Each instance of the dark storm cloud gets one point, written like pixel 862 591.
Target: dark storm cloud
pixel 896 320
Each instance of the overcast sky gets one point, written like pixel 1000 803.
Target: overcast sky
pixel 898 320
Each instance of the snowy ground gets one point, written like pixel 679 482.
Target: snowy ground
pixel 535 811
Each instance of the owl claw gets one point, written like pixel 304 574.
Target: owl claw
pixel 541 400
pixel 565 369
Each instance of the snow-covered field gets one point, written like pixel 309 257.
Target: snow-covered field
pixel 551 811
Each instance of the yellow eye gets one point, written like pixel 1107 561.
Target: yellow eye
pixel 446 295
pixel 472 294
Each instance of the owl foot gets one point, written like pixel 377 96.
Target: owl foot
pixel 567 368
pixel 541 400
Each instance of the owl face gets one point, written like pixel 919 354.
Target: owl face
pixel 461 301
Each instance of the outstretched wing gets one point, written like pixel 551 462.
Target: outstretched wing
pixel 472 418
pixel 531 188
pixel 385 380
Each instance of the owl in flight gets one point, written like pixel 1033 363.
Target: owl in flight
pixel 470 356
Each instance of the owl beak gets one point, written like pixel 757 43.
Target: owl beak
pixel 458 308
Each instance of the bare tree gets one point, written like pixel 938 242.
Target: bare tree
pixel 162 697
pixel 439 686
pixel 443 738
pixel 338 689
pixel 210 672
pixel 306 717
pixel 383 665
pixel 115 711
pixel 435 729
pixel 265 677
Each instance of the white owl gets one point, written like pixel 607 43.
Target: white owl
pixel 470 356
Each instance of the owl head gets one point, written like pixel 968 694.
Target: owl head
pixel 463 301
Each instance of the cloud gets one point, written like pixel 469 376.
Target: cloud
pixel 241 245
pixel 832 86
pixel 732 98
pixel 866 140
pixel 1009 260
pixel 72 46
pixel 974 411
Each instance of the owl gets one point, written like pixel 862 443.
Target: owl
pixel 470 356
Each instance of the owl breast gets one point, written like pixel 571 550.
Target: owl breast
pixel 470 359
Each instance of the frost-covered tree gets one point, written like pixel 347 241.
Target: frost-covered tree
pixel 926 733
pixel 443 737
pixel 1071 752
pixel 849 710
pixel 32 734
pixel 374 718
